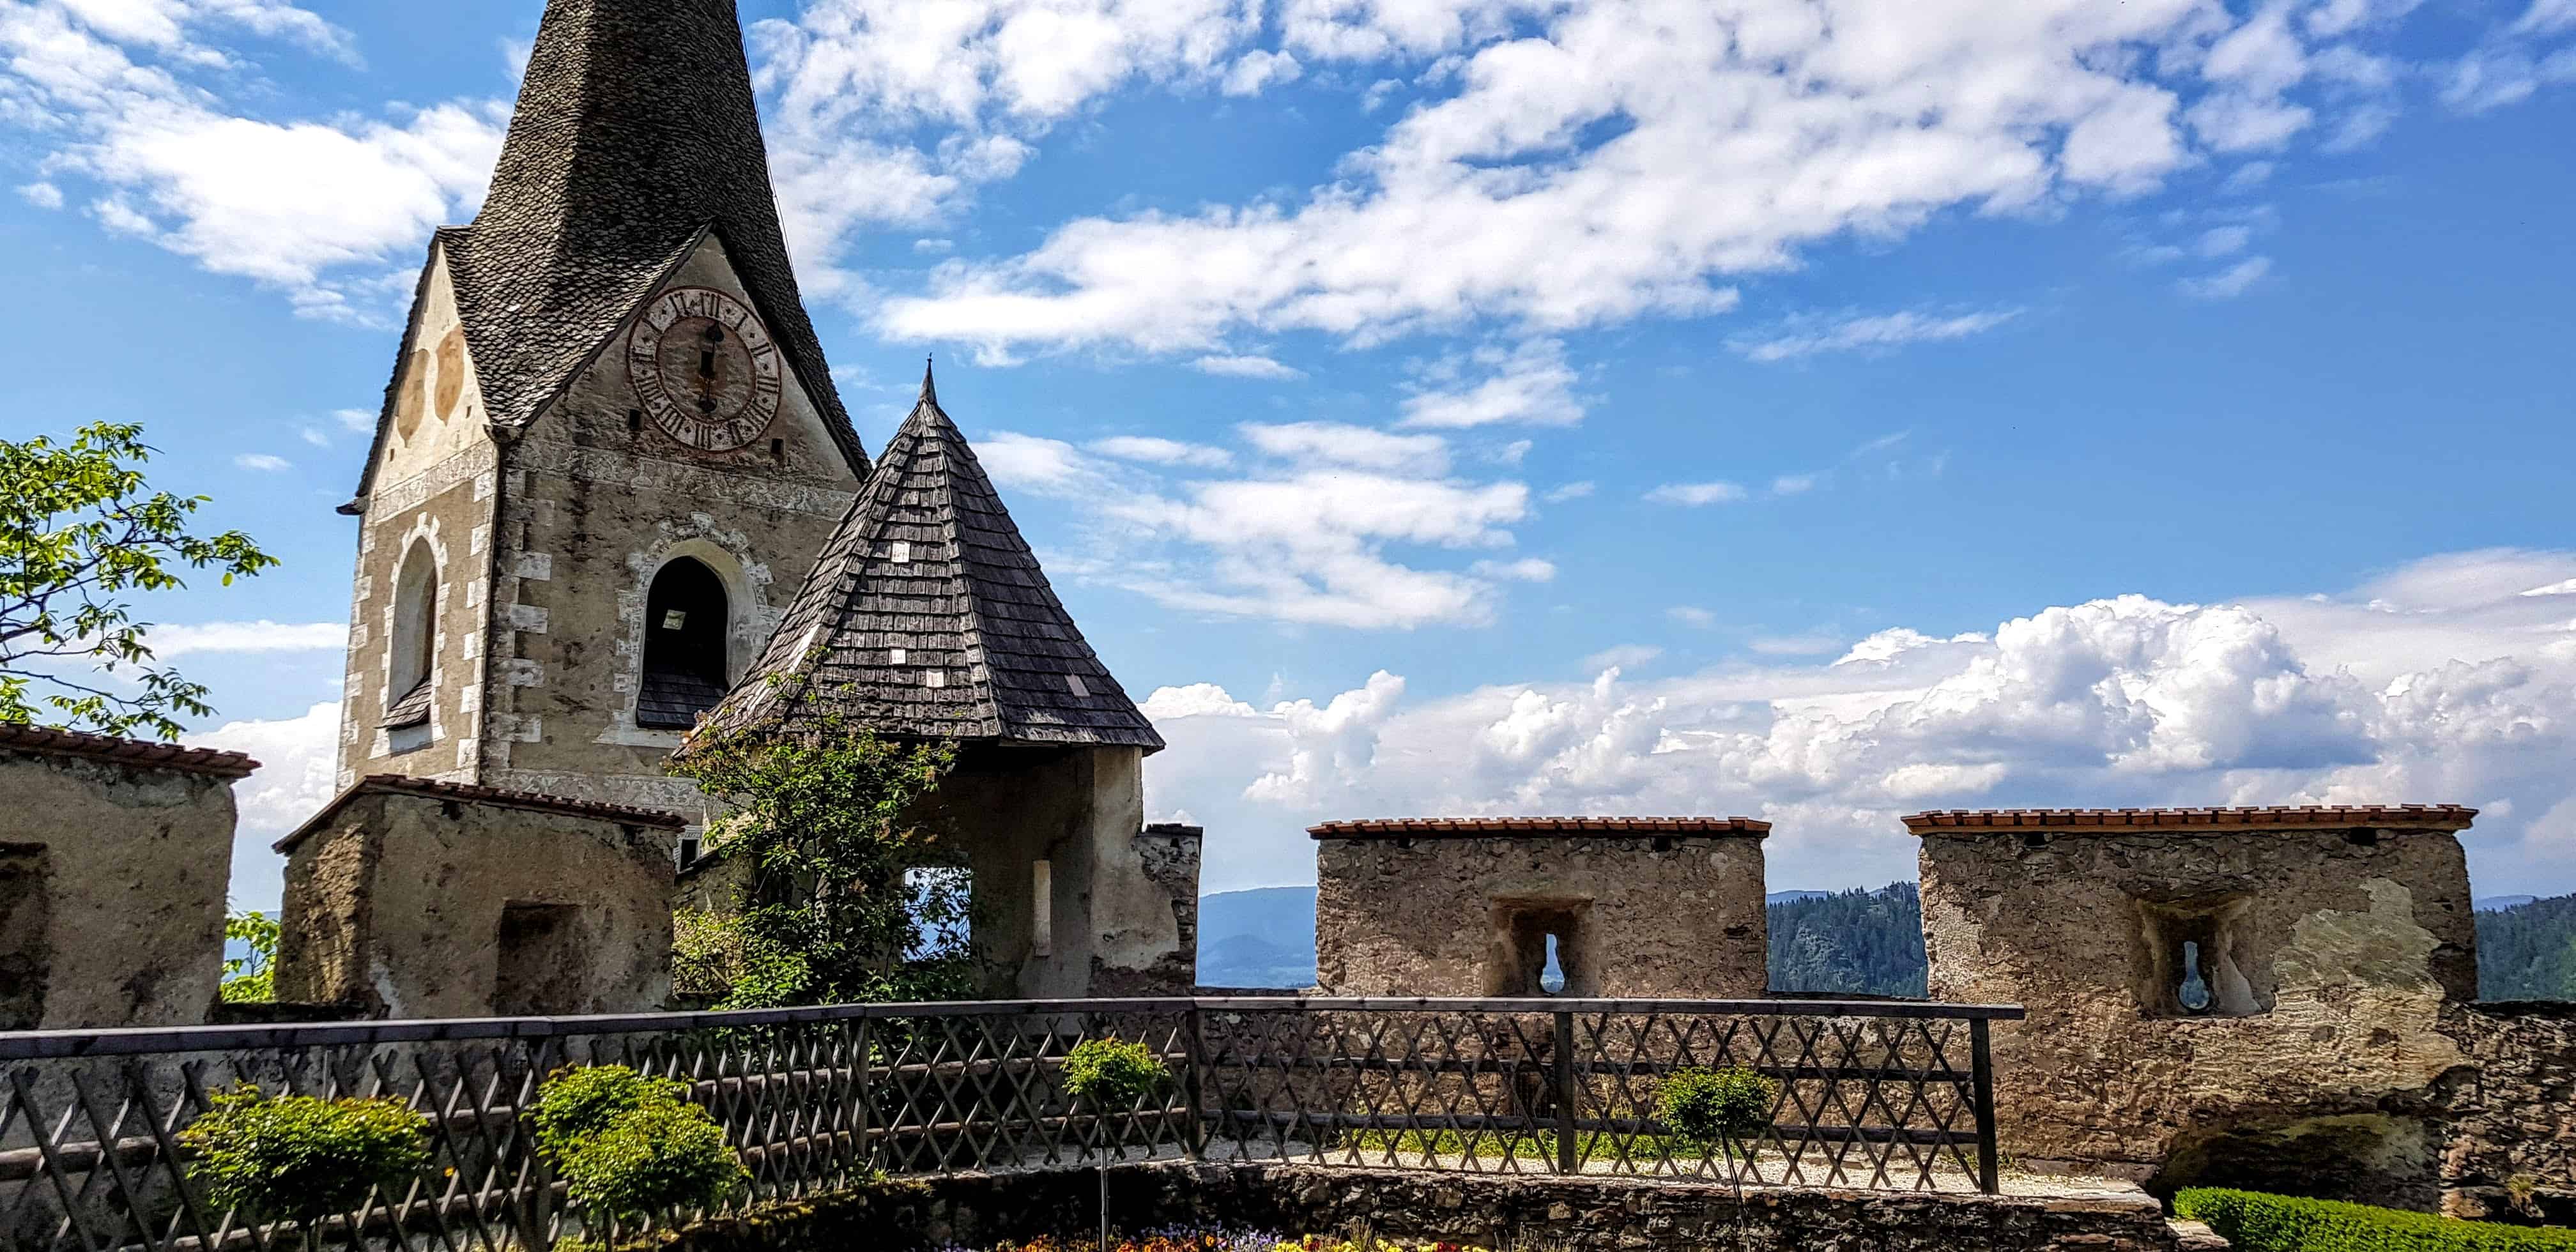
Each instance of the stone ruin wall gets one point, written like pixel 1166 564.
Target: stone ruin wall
pixel 114 859
pixel 2339 1053
pixel 1494 1210
pixel 2512 1150
pixel 414 900
pixel 1639 914
pixel 2347 953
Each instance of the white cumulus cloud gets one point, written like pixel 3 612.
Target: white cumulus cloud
pixel 2466 693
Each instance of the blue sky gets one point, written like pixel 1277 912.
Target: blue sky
pixel 1915 405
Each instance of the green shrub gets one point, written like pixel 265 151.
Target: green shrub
pixel 579 1102
pixel 298 1157
pixel 1112 1074
pixel 2255 1222
pixel 1708 1107
pixel 662 1155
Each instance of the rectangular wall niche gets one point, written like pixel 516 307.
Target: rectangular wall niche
pixel 1526 934
pixel 26 946
pixel 544 965
pixel 2196 960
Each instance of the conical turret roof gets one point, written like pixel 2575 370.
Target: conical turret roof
pixel 635 135
pixel 927 617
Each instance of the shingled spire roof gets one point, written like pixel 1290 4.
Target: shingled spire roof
pixel 928 617
pixel 635 135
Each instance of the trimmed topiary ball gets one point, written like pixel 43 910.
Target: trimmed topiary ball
pixel 1112 1074
pixel 661 1156
pixel 582 1101
pixel 297 1157
pixel 1714 1106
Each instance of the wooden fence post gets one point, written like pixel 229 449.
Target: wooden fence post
pixel 1195 1044
pixel 1981 1063
pixel 1566 1091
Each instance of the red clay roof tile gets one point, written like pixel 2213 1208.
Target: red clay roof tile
pixel 2445 817
pixel 432 788
pixel 140 753
pixel 1537 827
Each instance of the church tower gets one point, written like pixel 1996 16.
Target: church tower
pixel 611 447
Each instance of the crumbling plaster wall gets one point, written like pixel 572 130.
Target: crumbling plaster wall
pixel 112 893
pixel 1667 916
pixel 396 904
pixel 2354 940
pixel 590 511
pixel 1169 856
pixel 1112 926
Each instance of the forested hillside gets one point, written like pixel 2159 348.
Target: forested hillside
pixel 1852 942
pixel 2528 952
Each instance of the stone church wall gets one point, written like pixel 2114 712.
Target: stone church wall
pixel 114 859
pixel 433 489
pixel 1463 908
pixel 594 502
pixel 422 900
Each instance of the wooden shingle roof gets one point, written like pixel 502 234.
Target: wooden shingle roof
pixel 635 136
pixel 927 617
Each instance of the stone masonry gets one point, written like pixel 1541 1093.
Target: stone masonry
pixel 1590 1214
pixel 414 899
pixel 1635 906
pixel 114 858
pixel 2213 993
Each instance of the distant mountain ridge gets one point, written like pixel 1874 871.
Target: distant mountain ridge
pixel 1851 942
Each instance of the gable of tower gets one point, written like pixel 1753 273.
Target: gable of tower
pixel 433 405
pixel 635 392
pixel 539 487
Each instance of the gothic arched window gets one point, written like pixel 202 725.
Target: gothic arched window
pixel 685 617
pixel 412 655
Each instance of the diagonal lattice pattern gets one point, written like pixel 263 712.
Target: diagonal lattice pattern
pixel 1876 1096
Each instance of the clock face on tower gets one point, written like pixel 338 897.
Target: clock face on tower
pixel 705 369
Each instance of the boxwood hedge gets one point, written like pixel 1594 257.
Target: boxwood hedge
pixel 2256 1222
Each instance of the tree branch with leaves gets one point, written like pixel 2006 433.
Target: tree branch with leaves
pixel 80 533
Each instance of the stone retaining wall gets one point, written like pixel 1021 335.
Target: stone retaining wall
pixel 2512 1148
pixel 1496 1211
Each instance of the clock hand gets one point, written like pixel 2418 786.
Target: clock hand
pixel 707 369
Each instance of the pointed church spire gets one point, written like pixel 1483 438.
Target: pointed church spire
pixel 929 390
pixel 635 133
pixel 927 617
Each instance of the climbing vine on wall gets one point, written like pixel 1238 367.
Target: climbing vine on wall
pixel 844 902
